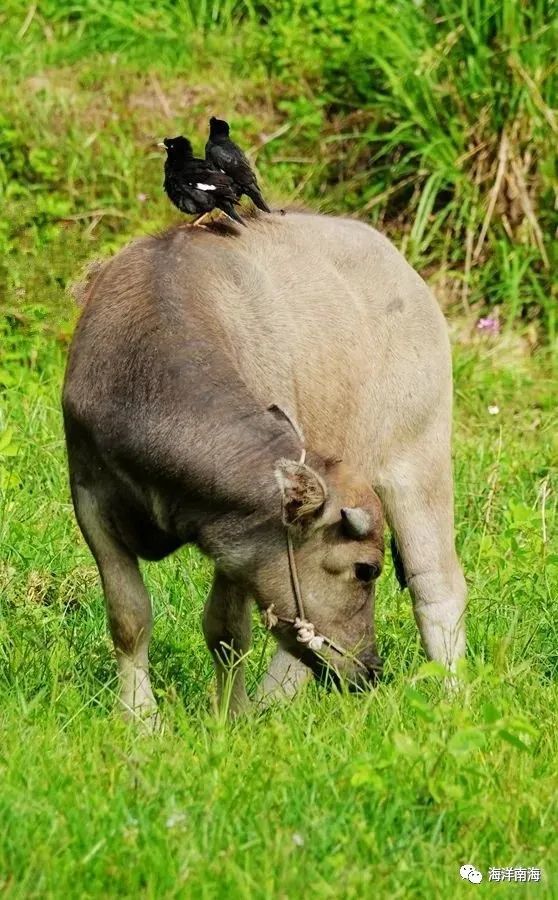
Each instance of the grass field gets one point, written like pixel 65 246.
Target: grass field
pixel 386 794
pixel 336 796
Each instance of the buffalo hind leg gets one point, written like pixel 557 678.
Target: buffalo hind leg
pixel 227 630
pixel 418 500
pixel 128 610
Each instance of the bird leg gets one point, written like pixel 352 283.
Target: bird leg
pixel 200 219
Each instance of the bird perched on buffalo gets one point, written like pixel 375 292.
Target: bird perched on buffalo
pixel 194 185
pixel 223 153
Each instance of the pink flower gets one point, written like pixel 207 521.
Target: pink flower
pixel 142 198
pixel 489 324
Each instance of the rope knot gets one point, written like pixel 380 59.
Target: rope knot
pixel 269 617
pixel 306 634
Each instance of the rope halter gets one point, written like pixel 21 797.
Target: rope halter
pixel 306 632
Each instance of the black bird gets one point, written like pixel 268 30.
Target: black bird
pixel 224 154
pixel 195 186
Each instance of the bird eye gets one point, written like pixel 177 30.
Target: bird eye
pixel 366 572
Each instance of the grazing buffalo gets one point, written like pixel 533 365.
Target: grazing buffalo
pixel 266 393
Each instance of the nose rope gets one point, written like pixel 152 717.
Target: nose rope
pixel 305 631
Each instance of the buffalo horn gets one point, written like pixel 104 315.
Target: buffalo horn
pixel 358 522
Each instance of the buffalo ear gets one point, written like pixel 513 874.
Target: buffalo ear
pixel 302 490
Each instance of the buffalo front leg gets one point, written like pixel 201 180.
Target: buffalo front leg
pixel 418 498
pixel 227 629
pixel 283 679
pixel 128 610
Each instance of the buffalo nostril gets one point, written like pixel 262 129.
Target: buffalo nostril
pixel 373 664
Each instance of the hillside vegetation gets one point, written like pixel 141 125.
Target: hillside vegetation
pixel 437 122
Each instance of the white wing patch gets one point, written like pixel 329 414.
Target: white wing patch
pixel 206 187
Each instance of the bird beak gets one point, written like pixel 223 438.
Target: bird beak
pixel 161 144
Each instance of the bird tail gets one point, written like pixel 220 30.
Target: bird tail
pixel 229 209
pixel 256 197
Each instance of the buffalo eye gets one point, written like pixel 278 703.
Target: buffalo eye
pixel 366 572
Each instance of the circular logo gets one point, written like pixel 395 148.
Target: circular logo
pixel 469 873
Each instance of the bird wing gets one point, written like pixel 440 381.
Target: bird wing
pixel 230 158
pixel 200 172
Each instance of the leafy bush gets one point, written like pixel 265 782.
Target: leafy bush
pixel 437 119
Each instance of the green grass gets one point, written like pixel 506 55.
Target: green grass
pixel 391 791
pixel 384 794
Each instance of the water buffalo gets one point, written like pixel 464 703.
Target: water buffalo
pixel 198 357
